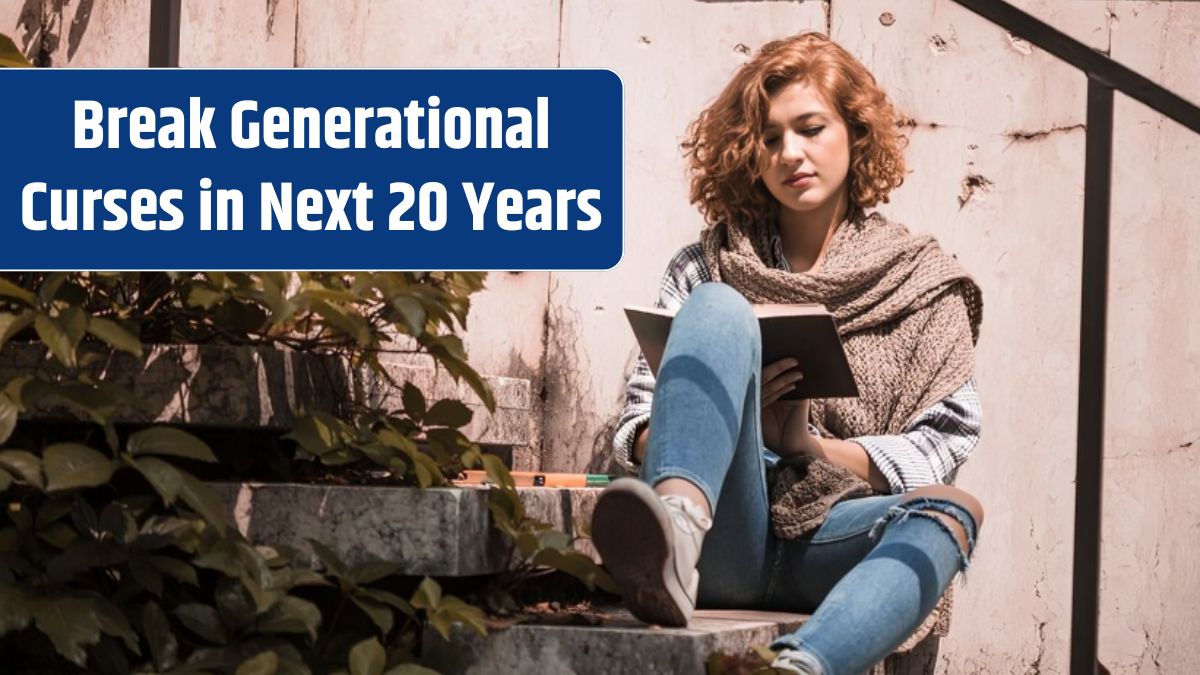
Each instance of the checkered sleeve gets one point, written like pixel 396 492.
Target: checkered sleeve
pixel 685 271
pixel 935 444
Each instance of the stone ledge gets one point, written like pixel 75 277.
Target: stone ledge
pixel 444 532
pixel 620 645
pixel 267 387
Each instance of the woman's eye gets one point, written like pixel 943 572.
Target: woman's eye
pixel 771 140
pixel 812 131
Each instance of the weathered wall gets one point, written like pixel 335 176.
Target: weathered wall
pixel 996 161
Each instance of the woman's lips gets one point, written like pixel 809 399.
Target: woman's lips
pixel 799 180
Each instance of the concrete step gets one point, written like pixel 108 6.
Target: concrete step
pixel 444 532
pixel 254 387
pixel 618 643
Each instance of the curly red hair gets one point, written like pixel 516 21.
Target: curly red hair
pixel 724 144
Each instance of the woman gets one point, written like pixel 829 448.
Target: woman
pixel 785 164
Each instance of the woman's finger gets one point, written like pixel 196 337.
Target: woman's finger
pixel 785 380
pixel 769 399
pixel 771 371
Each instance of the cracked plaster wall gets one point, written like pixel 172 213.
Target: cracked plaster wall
pixel 996 160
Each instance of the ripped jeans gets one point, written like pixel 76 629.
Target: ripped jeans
pixel 873 570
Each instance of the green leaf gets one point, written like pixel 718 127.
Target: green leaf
pixel 62 334
pixel 23 465
pixel 156 628
pixel 11 324
pixel 83 555
pixel 58 535
pixel 449 413
pixel 411 669
pixel 413 312
pixel 166 480
pixel 203 501
pixel 577 565
pixel 71 465
pixel 71 624
pixel 205 297
pixel 428 595
pixel 234 604
pixel 374 570
pixel 146 575
pixel 314 434
pixel 203 621
pixel 291 615
pixel 379 613
pixel 114 623
pixel 367 658
pixel 333 564
pixel 461 369
pixel 388 598
pixel 497 472
pixel 344 322
pixel 169 441
pixel 114 335
pixel 414 401
pixel 10 56
pixel 15 610
pixel 265 663
pixel 456 610
pixel 175 568
pixel 10 290
pixel 8 417
pixel 49 288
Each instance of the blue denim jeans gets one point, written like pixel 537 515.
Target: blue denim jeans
pixel 868 576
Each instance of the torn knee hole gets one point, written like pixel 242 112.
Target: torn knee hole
pixel 955 527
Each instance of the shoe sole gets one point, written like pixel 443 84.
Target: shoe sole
pixel 632 538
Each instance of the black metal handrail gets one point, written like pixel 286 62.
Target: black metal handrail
pixel 164 33
pixel 1104 76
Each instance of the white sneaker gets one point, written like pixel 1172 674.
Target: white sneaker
pixel 651 545
pixel 796 662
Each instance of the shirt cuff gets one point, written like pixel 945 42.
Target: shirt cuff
pixel 884 451
pixel 624 440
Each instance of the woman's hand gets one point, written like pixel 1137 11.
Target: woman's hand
pixel 784 423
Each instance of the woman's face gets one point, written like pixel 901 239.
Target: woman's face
pixel 807 147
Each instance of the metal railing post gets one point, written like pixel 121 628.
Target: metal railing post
pixel 1089 457
pixel 164 33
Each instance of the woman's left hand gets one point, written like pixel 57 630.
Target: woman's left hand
pixel 784 423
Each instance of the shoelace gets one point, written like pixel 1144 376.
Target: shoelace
pixel 687 516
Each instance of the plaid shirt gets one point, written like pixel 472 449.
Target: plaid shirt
pixel 929 451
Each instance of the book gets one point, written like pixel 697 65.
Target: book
pixel 805 332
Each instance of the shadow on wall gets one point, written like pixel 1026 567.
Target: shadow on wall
pixel 42 25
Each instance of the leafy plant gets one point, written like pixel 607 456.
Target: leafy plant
pixel 114 556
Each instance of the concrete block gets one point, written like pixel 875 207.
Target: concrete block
pixel 435 531
pixel 445 532
pixel 265 388
pixel 621 644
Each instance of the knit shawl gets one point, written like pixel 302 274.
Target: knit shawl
pixel 908 315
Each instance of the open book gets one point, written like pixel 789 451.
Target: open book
pixel 803 331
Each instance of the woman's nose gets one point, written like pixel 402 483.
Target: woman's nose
pixel 793 147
